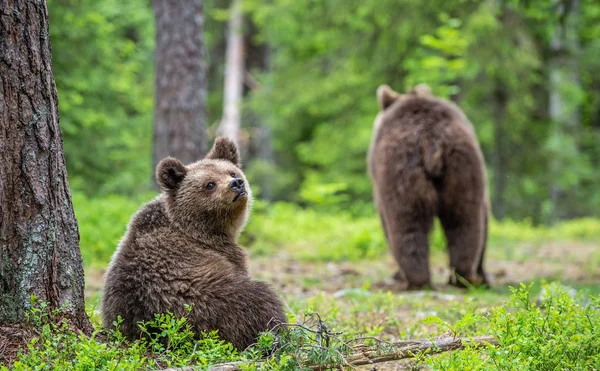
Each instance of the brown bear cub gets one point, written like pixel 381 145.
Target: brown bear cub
pixel 180 248
pixel 425 161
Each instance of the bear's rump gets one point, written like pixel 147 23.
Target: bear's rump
pixel 401 178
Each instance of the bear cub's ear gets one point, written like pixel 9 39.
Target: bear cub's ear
pixel 225 149
pixel 386 96
pixel 169 173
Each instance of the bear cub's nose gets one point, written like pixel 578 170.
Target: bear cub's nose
pixel 237 185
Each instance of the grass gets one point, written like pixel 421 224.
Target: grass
pixel 334 264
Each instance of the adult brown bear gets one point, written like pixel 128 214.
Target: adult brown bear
pixel 425 161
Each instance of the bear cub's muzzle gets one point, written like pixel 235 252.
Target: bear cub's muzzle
pixel 237 184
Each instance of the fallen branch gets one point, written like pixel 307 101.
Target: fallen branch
pixel 363 354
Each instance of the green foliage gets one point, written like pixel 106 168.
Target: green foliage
pixel 317 65
pixel 555 329
pixel 321 135
pixel 510 232
pixel 103 69
pixel 167 342
pixel 561 333
pixel 312 235
pixel 384 314
pixel 57 346
pixel 172 342
pixel 440 59
pixel 343 50
pixel 102 223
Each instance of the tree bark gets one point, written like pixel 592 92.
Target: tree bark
pixel 499 160
pixel 180 106
pixel 563 66
pixel 563 70
pixel 39 238
pixel 234 75
pixel 258 57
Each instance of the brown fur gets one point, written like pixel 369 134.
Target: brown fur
pixel 424 162
pixel 180 248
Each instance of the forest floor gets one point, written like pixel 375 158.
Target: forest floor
pixel 348 295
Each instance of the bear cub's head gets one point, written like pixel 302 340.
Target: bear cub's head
pixel 211 195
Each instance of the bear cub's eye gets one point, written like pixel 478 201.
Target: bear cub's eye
pixel 210 185
pixel 233 175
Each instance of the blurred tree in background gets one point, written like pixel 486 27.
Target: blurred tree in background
pixel 527 73
pixel 180 81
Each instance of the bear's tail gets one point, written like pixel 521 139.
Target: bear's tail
pixel 433 160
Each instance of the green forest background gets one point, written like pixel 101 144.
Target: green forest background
pixel 526 73
pixel 315 66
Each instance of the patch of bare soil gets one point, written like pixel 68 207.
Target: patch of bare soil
pixel 569 262
pixel 12 339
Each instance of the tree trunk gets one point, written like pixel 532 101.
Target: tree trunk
pixel 258 57
pixel 563 65
pixel 562 108
pixel 499 160
pixel 234 74
pixel 39 239
pixel 180 106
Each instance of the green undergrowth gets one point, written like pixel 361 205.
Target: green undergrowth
pixel 304 233
pixel 312 235
pixel 102 223
pixel 167 341
pixel 559 331
pixel 555 329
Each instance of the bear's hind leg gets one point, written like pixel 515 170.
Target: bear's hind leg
pixel 239 308
pixel 410 248
pixel 480 271
pixel 465 248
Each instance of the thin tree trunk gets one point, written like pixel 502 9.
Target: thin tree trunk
pixel 39 238
pixel 258 57
pixel 234 74
pixel 499 158
pixel 564 48
pixel 181 83
pixel 265 140
pixel 564 71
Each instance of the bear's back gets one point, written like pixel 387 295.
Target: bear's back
pixel 414 117
pixel 418 131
